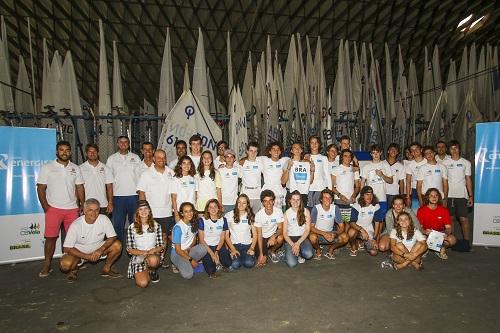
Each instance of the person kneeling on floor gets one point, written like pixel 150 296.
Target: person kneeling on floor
pixel 91 237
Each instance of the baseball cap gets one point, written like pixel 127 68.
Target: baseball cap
pixel 229 152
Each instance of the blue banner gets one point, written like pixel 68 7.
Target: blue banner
pixel 22 153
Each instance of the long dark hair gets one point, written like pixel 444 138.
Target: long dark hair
pixel 301 215
pixel 201 167
pixel 178 167
pixel 411 228
pixel 194 221
pixel 249 210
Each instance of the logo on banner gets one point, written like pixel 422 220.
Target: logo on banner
pixel 485 156
pixel 6 162
pixel 20 246
pixel 33 229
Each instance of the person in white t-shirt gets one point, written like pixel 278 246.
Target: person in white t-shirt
pixel 229 173
pixel 441 150
pixel 209 182
pixel 345 143
pixel 91 237
pixel 332 153
pixel 412 168
pixel 213 232
pixel 220 158
pixel 407 243
pixel 365 213
pixel 125 167
pixel 61 194
pixel 299 173
pixel 377 174
pixel 144 245
pixel 243 233
pixel 398 173
pixel 460 192
pixel 155 186
pixel 296 228
pixel 269 223
pixel 346 184
pixel 98 179
pixel 432 175
pixel 195 149
pixel 327 226
pixel 185 187
pixel 180 150
pixel 251 175
pixel 273 166
pixel 147 152
pixel 322 178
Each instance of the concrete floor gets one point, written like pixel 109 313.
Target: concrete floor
pixel 346 294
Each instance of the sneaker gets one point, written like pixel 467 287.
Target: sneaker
pixel 425 254
pixel 81 262
pixel 301 260
pixel 165 264
pixel 175 270
pixel 330 256
pixel 274 258
pixel 155 277
pixel 386 264
pixel 218 268
pixel 281 255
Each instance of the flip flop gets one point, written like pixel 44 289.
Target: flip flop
pixel 111 273
pixel 44 275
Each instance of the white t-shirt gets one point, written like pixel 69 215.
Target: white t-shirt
pixel 185 188
pixel 157 187
pixel 183 235
pixel 251 172
pixel 412 169
pixel 213 230
pixel 272 170
pixel 344 180
pixel 268 223
pixel 300 177
pixel 325 219
pixel 143 167
pixel 365 217
pixel 173 163
pixel 207 187
pixel 96 178
pixel 196 160
pixel 229 182
pixel 241 232
pixel 61 181
pixel 432 176
pixel 408 243
pixel 457 170
pixel 126 172
pixel 398 174
pixel 218 162
pixel 292 224
pixel 332 166
pixel 147 240
pixel 439 159
pixel 88 237
pixel 378 183
pixel 321 173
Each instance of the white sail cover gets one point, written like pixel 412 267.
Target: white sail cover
pixel 6 99
pixel 229 65
pixel 188 117
pixel 118 104
pixel 200 80
pixel 166 98
pixel 187 84
pixel 238 137
pixel 24 102
pixel 105 132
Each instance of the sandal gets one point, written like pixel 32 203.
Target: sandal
pixel 330 256
pixel 44 275
pixel 111 273
pixel 317 256
pixel 353 253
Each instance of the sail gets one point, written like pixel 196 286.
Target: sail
pixel 311 86
pixel 118 104
pixel 187 117
pixel 6 99
pixel 106 136
pixel 200 80
pixel 238 137
pixel 322 95
pixel 247 95
pixel 229 65
pixel 23 99
pixel 166 98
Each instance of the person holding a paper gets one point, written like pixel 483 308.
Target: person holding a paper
pixel 407 243
pixel 434 217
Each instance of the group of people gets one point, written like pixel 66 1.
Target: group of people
pixel 212 214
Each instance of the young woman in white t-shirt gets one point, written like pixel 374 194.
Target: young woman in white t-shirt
pixel 407 243
pixel 299 173
pixel 243 233
pixel 332 153
pixel 209 181
pixel 296 228
pixel 144 244
pixel 185 187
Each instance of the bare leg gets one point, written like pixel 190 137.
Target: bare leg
pixel 313 238
pixel 384 243
pixel 343 238
pixel 112 252
pixel 48 250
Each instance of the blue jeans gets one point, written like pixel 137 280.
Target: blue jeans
pixel 224 259
pixel 306 252
pixel 244 259
pixel 123 207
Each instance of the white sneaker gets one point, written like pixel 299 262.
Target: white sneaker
pixel 301 260
pixel 274 258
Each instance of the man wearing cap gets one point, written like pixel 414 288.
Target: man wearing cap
pixel 91 237
pixel 229 174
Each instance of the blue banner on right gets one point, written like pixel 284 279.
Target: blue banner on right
pixel 487 185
